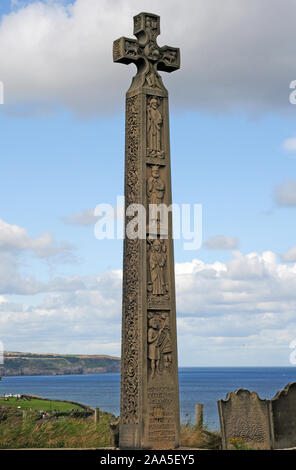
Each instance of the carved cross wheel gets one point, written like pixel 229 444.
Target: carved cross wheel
pixel 145 53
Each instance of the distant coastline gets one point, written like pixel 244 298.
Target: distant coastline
pixel 20 364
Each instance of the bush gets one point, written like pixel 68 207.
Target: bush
pixel 239 444
pixel 200 438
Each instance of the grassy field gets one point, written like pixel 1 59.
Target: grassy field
pixel 39 404
pixel 67 431
pixel 33 432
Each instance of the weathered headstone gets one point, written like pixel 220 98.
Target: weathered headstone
pixel 149 411
pixel 283 417
pixel 243 415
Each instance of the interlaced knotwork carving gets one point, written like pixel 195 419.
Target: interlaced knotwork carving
pixel 130 339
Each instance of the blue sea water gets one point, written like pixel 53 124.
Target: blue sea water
pixel 197 385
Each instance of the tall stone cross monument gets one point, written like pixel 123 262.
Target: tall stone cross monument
pixel 149 410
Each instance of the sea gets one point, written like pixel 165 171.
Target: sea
pixel 197 385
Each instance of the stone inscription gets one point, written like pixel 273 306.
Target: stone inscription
pixel 162 426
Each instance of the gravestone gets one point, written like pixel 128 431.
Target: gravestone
pixel 243 415
pixel 149 408
pixel 283 417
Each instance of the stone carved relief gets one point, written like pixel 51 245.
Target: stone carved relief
pixel 148 406
pixel 153 79
pixel 154 128
pixel 159 342
pixel 155 186
pixel 155 195
pixel 146 53
pixel 131 48
pixel 116 49
pixel 137 22
pixel 130 379
pixel 157 266
pixel 151 26
pixel 169 56
pixel 132 177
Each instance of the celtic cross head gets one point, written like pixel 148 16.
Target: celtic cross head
pixel 145 53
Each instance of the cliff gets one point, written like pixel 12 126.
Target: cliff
pixel 18 363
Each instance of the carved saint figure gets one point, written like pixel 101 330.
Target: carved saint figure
pixel 151 29
pixel 153 346
pixel 150 23
pixel 165 340
pixel 159 342
pixel 153 79
pixel 155 193
pixel 157 262
pixel 155 186
pixel 154 125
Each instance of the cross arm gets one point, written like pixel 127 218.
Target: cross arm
pixel 169 59
pixel 125 50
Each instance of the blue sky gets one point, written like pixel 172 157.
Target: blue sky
pixel 59 165
pixel 62 147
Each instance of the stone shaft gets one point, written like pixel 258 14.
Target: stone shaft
pixel 149 412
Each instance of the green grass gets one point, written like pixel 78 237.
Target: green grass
pixel 33 432
pixel 38 404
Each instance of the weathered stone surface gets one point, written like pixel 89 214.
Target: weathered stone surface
pixel 149 414
pixel 283 417
pixel 243 415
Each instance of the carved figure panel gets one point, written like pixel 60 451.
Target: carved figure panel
pixel 159 342
pixel 154 127
pixel 158 287
pixel 169 56
pixel 155 197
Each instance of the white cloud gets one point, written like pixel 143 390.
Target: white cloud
pixel 85 319
pixel 15 242
pixel 220 242
pixel 11 281
pixel 285 193
pixel 247 285
pixel 14 238
pixel 54 54
pixel 247 305
pixel 290 144
pixel 91 216
pixel 236 313
pixel 290 255
pixel 85 217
